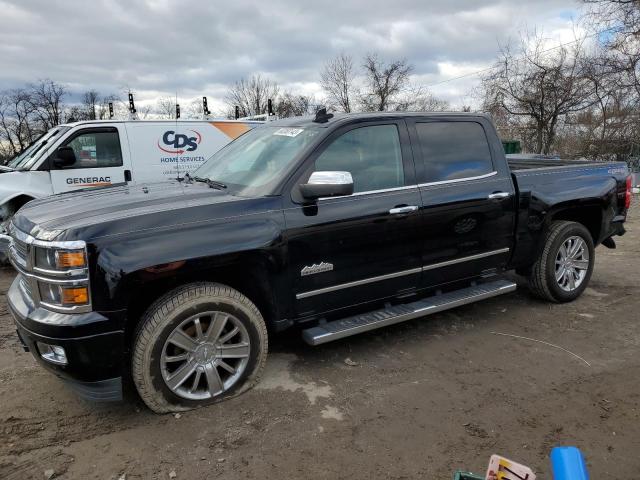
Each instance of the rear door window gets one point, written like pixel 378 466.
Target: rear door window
pixel 453 150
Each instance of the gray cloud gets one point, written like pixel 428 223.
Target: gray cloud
pixel 194 47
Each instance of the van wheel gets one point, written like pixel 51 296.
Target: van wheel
pixel 564 267
pixel 197 345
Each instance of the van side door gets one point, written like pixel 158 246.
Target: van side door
pixel 468 199
pixel 101 158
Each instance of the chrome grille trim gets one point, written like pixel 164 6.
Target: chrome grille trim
pixel 26 286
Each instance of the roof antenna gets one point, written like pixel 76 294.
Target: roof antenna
pixel 322 116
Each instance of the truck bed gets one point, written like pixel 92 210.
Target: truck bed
pixel 521 162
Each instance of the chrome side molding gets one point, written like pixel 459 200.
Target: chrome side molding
pixel 388 276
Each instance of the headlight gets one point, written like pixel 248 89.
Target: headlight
pixel 55 274
pixel 59 259
pixel 61 276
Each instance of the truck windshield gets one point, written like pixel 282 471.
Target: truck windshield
pixel 28 157
pixel 255 162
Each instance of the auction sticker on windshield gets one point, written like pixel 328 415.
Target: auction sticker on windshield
pixel 288 132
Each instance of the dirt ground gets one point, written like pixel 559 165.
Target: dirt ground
pixel 414 401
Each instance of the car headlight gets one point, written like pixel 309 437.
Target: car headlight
pixel 62 276
pixel 60 259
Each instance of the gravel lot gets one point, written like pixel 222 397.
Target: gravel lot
pixel 413 401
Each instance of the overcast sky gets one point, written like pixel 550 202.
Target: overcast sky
pixel 160 47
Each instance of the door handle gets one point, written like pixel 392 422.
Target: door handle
pixel 127 175
pixel 498 195
pixel 407 209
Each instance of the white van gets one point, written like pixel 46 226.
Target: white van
pixel 100 153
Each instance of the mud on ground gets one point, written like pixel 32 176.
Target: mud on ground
pixel 413 401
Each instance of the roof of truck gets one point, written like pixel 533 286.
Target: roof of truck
pixel 308 121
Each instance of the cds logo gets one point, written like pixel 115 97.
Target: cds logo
pixel 179 142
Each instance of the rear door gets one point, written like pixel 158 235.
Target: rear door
pixel 468 199
pixel 344 251
pixel 100 159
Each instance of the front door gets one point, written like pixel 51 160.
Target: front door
pixel 468 201
pixel 99 160
pixel 345 251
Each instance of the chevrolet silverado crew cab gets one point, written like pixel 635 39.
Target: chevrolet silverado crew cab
pixel 333 225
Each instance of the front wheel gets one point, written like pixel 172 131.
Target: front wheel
pixel 197 345
pixel 564 267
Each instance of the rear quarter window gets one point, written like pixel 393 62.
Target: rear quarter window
pixel 453 150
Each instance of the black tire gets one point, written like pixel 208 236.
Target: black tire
pixel 542 279
pixel 170 312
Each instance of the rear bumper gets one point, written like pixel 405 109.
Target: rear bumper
pixel 94 360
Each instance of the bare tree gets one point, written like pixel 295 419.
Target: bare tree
pixel 46 98
pixel 419 99
pixel 19 126
pixel 166 107
pixel 337 79
pixel 620 17
pixel 103 107
pixel 251 96
pixel 540 86
pixel 90 100
pixel 292 105
pixel 616 24
pixel 194 109
pixel 384 81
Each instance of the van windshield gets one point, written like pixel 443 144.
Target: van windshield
pixel 254 163
pixel 28 157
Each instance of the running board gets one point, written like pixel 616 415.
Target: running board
pixel 346 327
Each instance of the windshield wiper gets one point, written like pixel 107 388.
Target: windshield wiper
pixel 211 183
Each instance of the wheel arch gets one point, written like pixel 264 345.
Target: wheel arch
pixel 249 275
pixel 14 203
pixel 590 214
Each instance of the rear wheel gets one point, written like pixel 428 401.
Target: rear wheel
pixel 564 268
pixel 197 345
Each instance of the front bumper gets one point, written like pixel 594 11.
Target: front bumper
pixel 94 350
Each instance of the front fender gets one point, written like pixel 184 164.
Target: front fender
pixel 30 184
pixel 125 263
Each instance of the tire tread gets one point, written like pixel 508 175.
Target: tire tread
pixel 162 308
pixel 537 280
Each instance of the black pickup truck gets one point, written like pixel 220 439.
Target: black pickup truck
pixel 334 225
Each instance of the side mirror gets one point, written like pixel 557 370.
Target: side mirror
pixel 327 184
pixel 65 157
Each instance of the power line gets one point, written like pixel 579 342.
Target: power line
pixel 487 69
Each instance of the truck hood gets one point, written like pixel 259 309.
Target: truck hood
pixel 125 209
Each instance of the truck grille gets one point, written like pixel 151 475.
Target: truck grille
pixel 18 249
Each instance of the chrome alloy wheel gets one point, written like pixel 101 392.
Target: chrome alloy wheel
pixel 205 355
pixel 572 263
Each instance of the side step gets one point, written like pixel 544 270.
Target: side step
pixel 346 327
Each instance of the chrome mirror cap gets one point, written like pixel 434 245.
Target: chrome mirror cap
pixel 327 184
pixel 330 178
